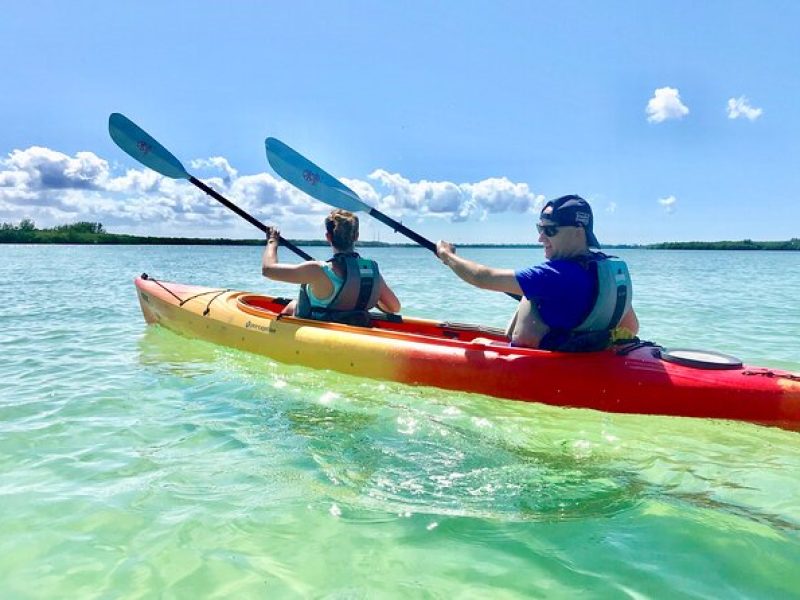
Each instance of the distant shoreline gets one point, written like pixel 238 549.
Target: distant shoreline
pixel 94 234
pixel 110 239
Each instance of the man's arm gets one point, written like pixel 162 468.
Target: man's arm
pixel 487 278
pixel 630 322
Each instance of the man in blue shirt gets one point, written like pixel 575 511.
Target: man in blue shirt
pixel 559 294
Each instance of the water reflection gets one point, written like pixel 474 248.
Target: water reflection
pixel 382 451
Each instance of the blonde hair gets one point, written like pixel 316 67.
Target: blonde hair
pixel 343 227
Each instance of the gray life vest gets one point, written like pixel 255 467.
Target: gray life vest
pixel 614 294
pixel 357 295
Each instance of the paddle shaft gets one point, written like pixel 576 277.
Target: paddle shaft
pixel 247 217
pixel 424 242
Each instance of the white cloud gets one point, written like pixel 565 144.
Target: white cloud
pixel 668 203
pixel 47 168
pixel 666 104
pixel 454 201
pixel 216 163
pixel 54 188
pixel 740 107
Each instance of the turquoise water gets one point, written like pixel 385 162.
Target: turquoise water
pixel 136 463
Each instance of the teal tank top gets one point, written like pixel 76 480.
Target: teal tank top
pixel 337 285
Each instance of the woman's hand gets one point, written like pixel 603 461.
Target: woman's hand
pixel 270 257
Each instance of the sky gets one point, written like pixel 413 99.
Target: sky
pixel 676 120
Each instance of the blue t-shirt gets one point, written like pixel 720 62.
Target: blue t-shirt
pixel 562 290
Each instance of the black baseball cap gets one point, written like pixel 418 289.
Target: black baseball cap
pixel 572 211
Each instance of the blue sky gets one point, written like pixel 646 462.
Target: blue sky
pixel 676 120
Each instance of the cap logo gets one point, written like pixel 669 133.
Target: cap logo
pixel 582 217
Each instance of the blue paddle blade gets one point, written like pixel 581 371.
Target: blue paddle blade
pixel 308 177
pixel 138 144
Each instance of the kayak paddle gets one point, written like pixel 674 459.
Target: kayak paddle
pixel 308 177
pixel 314 181
pixel 138 144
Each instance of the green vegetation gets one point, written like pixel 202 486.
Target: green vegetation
pixel 93 233
pixel 85 232
pixel 793 244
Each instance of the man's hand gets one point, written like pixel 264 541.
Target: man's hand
pixel 444 248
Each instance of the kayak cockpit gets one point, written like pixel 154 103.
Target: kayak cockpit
pixel 270 307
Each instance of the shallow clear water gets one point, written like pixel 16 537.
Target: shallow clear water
pixel 136 463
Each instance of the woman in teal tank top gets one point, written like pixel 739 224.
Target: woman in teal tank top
pixel 324 281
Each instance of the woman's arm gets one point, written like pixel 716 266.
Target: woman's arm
pixel 306 272
pixel 270 256
pixel 387 301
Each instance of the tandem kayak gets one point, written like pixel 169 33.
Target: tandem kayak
pixel 638 378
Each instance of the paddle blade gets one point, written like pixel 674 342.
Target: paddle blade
pixel 308 177
pixel 138 144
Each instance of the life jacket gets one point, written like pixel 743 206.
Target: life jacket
pixel 352 300
pixel 613 296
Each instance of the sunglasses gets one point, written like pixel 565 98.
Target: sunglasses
pixel 548 230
